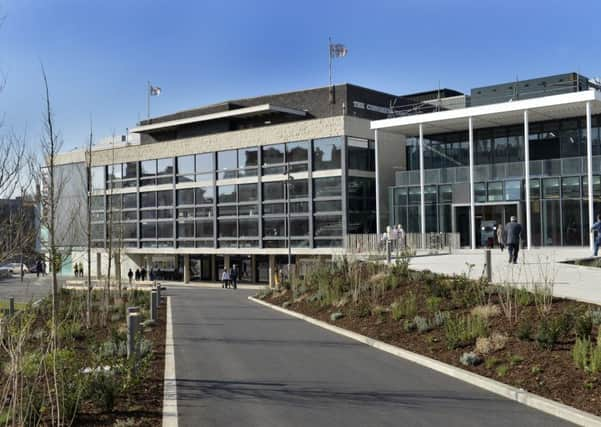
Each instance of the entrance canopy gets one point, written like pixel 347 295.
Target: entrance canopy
pixel 506 113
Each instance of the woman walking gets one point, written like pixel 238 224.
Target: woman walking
pixel 500 236
pixel 225 277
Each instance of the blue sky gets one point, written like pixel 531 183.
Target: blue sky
pixel 99 54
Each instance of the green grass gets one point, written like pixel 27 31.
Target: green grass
pixel 4 305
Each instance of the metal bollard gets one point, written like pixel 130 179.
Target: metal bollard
pixel 488 265
pixel 153 305
pixel 11 306
pixel 133 323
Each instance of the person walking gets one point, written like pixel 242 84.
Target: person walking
pixel 80 269
pixel 513 229
pixel 143 274
pixel 38 268
pixel 234 277
pixel 500 236
pixel 137 274
pixel 596 228
pixel 225 278
pixel 75 271
pixel 130 275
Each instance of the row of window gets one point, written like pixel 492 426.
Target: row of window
pixel 547 140
pixel 324 226
pixel 495 191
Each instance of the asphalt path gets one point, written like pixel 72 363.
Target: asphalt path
pixel 241 364
pixel 31 288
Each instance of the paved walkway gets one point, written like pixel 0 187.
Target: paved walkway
pixel 534 266
pixel 241 364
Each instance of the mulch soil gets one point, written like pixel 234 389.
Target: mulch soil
pixel 144 404
pixel 548 373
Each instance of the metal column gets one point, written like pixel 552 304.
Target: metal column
pixel 472 201
pixel 378 229
pixel 527 180
pixel 589 173
pixel 421 186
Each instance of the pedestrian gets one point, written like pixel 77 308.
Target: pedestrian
pixel 513 229
pixel 75 271
pixel 596 228
pixel 80 269
pixel 38 268
pixel 143 274
pixel 500 236
pixel 137 274
pixel 130 275
pixel 234 277
pixel 225 278
pixel 401 234
pixel 151 274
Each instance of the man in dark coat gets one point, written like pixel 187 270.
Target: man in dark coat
pixel 512 232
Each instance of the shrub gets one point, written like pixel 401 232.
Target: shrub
pixel 496 342
pixel 548 334
pixel 379 311
pixel 595 315
pixel 396 311
pixel 524 297
pixel 580 352
pixel 70 331
pixel 129 422
pixel 422 324
pixel 409 325
pixel 502 370
pixel 584 326
pixel 440 318
pixel 461 331
pixel 433 304
pixel 470 359
pixel 595 362
pixel 491 362
pixel 524 331
pixel 145 347
pixel 515 360
pixel 486 311
pixel 103 389
pixel 409 305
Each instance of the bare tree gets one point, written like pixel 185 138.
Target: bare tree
pixel 89 226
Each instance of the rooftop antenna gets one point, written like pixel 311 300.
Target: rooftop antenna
pixel 438 98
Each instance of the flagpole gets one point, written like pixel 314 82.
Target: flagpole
pixel 148 100
pixel 330 57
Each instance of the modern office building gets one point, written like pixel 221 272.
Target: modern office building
pixel 527 148
pixel 238 182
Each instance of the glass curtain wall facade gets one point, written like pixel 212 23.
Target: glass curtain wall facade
pixel 558 184
pixel 238 198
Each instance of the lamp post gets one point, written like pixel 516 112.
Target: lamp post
pixel 288 233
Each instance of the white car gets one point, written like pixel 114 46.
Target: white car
pixel 15 268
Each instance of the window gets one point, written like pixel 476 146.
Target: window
pixel 326 187
pixel 165 166
pixel 571 187
pixel 513 190
pixel 326 153
pixel 148 230
pixel 204 229
pixel 185 165
pixel 299 188
pixel 165 198
pixel 98 178
pixel 227 161
pixel 130 201
pixel 297 151
pixel 328 206
pixel 185 230
pixel 130 170
pixel 299 207
pixel 227 194
pixel 228 228
pixel 273 190
pixel 329 225
pixel 247 157
pixel 361 154
pixel 299 226
pixel 248 210
pixel 204 195
pixel 495 191
pixel 480 192
pixel 274 227
pixel 148 168
pixel 551 188
pixel 206 211
pixel 273 154
pixel 248 228
pixel 274 208
pixel 97 203
pixel 445 194
pixel 185 197
pixel 148 199
pixel 247 193
pixel 164 230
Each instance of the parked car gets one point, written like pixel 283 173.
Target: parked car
pixel 15 267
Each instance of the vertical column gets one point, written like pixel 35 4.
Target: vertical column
pixel 422 201
pixel 272 271
pixel 589 172
pixel 378 228
pixel 226 262
pixel 186 268
pixel 472 197
pixel 214 268
pixel 253 268
pixel 527 180
pixel 344 188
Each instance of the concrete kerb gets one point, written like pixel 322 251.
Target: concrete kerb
pixel 169 382
pixel 540 403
